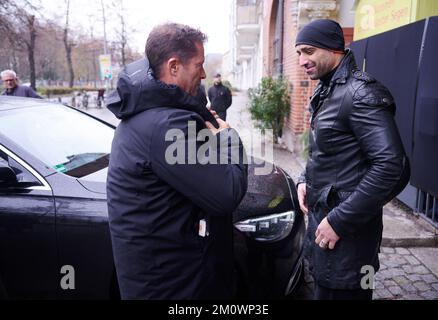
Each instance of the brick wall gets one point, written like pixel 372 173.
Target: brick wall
pixel 299 85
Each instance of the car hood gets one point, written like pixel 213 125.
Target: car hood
pixel 266 194
pixel 95 182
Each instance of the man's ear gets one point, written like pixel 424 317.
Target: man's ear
pixel 173 65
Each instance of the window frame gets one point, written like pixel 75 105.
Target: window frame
pixel 44 184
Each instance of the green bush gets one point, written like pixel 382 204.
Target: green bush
pixel 49 91
pixel 270 104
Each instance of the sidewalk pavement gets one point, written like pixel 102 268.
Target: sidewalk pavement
pixel 409 252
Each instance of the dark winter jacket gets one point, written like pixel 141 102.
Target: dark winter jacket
pixel 220 97
pixel 156 209
pixel 21 91
pixel 356 164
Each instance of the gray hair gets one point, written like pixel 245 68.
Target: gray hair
pixel 8 72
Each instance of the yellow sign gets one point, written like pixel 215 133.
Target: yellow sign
pixel 377 16
pixel 105 66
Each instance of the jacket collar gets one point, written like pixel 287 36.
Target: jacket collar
pixel 347 65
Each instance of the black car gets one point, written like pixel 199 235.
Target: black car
pixel 54 235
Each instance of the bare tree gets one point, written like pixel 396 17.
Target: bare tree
pixel 124 52
pixel 41 48
pixel 123 40
pixel 18 24
pixel 30 44
pixel 8 10
pixel 93 52
pixel 68 47
pixel 104 28
pixel 25 35
pixel 50 52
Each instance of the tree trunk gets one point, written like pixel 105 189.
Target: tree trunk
pixel 31 50
pixel 123 36
pixel 95 68
pixel 124 41
pixel 123 54
pixel 14 57
pixel 68 48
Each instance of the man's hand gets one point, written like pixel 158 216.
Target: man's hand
pixel 325 235
pixel 222 124
pixel 302 197
pixel 214 113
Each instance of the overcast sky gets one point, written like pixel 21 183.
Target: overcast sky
pixel 211 16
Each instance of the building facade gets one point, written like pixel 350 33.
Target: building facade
pixel 245 56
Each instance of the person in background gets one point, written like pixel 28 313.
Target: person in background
pixel 100 97
pixel 12 88
pixel 220 97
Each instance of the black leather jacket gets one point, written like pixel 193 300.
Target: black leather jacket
pixel 356 164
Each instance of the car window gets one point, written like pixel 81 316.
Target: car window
pixel 23 175
pixel 64 139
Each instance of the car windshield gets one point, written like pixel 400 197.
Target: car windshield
pixel 64 139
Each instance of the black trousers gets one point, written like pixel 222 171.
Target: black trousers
pixel 323 293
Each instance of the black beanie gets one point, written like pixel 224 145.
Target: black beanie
pixel 322 33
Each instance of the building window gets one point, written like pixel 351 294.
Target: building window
pixel 246 2
pixel 277 44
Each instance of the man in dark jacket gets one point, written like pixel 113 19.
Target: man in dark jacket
pixel 171 221
pixel 356 164
pixel 10 81
pixel 220 97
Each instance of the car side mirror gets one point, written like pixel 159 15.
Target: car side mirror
pixel 7 176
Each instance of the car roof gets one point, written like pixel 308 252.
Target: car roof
pixel 8 103
pixel 12 102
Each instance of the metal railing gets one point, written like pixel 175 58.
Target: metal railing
pixel 426 207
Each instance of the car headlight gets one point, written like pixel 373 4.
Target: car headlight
pixel 270 228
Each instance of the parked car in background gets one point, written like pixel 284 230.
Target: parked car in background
pixel 53 211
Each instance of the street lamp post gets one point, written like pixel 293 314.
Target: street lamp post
pixel 105 46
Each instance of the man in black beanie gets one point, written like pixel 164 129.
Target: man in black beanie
pixel 220 97
pixel 356 164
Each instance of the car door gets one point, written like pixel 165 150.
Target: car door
pixel 28 252
pixel 83 238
